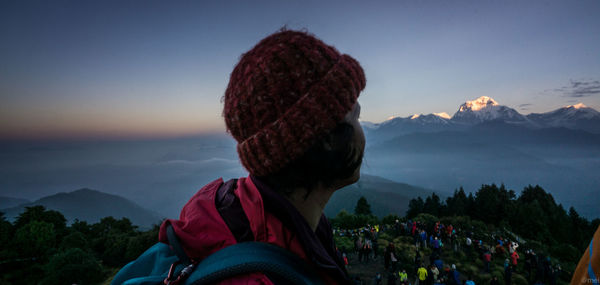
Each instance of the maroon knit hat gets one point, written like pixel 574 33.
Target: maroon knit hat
pixel 286 93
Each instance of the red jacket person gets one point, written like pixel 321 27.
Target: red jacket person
pixel 291 104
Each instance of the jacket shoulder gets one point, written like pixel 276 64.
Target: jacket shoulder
pixel 200 227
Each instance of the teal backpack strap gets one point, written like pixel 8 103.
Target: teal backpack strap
pixel 277 263
pixel 148 268
pixel 176 246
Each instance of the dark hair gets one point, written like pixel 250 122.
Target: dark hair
pixel 330 159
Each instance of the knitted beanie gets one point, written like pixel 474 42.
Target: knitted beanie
pixel 284 94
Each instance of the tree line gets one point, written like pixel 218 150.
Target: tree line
pixel 534 215
pixel 40 248
pixel 493 210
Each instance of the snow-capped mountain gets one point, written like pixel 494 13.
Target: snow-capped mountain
pixel 369 125
pixel 485 109
pixel 577 116
pixel 395 126
pixel 483 112
pixel 418 119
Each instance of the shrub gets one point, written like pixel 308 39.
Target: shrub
pixel 428 219
pixel 518 279
pixel 344 244
pixel 565 253
pixel 385 236
pixel 73 266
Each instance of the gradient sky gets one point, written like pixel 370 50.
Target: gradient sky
pixel 76 69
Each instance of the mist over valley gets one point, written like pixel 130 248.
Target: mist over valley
pixel 435 154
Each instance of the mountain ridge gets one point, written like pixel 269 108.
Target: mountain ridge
pixel 385 196
pixel 484 109
pixel 90 205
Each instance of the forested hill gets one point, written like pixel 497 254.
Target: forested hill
pixel 384 195
pixel 533 214
pixel 91 206
pixel 488 217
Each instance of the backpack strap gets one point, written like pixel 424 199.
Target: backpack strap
pixel 230 208
pixel 280 265
pixel 249 257
pixel 176 246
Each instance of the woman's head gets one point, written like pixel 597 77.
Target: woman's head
pixel 291 104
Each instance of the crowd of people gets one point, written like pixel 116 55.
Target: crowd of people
pixel 432 243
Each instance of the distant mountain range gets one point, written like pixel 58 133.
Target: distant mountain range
pixel 484 143
pixel 485 109
pixel 91 206
pixel 384 196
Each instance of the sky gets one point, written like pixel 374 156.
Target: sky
pixel 136 69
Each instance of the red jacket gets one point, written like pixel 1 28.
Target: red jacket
pixel 202 231
pixel 515 257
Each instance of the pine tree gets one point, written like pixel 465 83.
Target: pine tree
pixel 362 207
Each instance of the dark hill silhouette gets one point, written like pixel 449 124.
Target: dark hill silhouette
pixel 384 196
pixel 91 206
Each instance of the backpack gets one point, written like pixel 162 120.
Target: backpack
pixel 164 264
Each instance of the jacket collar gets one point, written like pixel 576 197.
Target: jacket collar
pixel 318 245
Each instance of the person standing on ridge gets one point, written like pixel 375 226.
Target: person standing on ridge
pixel 291 105
pixel 421 275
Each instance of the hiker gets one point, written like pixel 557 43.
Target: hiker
pixel 367 248
pixel 403 277
pixel 421 275
pixel 390 257
pixel 487 258
pixel 435 272
pixel 358 247
pixel 528 258
pixel 345 259
pixel 417 261
pixel 375 244
pixel 470 281
pixel 424 238
pixel 454 276
pixel 378 278
pixel 468 242
pixel 437 246
pixel 514 258
pixel 507 275
pixel 291 105
pixel 438 262
pixel 500 251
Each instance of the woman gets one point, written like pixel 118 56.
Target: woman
pixel 291 104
